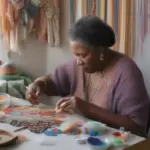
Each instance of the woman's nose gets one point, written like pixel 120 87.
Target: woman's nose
pixel 80 62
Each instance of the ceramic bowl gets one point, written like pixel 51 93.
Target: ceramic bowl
pixel 94 126
pixel 4 100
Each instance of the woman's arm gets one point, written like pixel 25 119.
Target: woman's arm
pixel 111 119
pixel 59 82
pixel 47 85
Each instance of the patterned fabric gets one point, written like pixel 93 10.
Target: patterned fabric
pixel 36 127
pixel 41 126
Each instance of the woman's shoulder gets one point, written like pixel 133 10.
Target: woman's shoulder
pixel 68 65
pixel 126 66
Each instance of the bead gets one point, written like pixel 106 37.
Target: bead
pixel 117 134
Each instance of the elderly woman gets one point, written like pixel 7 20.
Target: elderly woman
pixel 102 84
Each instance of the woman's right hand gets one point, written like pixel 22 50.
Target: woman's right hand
pixel 33 93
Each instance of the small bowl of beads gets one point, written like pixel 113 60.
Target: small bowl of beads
pixel 4 100
pixel 97 144
pixel 94 128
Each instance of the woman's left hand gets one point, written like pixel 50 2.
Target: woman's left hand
pixel 66 104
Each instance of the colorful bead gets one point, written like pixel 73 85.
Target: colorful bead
pixel 93 133
pixel 50 133
pixel 58 131
pixel 118 142
pixel 95 141
pixel 117 134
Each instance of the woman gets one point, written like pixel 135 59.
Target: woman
pixel 102 84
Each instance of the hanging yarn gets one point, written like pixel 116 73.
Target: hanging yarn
pixel 18 19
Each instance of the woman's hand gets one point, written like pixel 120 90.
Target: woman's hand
pixel 33 93
pixel 66 104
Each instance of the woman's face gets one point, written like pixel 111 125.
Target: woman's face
pixel 86 58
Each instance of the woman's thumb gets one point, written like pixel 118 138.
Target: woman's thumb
pixel 38 91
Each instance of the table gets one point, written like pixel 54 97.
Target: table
pixel 61 142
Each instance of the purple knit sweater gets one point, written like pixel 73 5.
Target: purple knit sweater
pixel 126 96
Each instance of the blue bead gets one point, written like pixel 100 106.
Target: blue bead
pixel 50 133
pixel 95 141
pixel 93 133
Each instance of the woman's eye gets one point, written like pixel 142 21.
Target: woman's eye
pixel 84 55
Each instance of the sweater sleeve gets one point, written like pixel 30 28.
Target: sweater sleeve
pixel 131 97
pixel 63 78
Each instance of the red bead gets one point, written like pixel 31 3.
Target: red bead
pixel 117 134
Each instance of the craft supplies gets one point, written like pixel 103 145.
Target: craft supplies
pixel 81 140
pixel 41 126
pixel 20 129
pixel 25 112
pixel 93 133
pixel 97 144
pixel 94 128
pixel 95 141
pixel 57 131
pixel 52 132
pixel 22 138
pixel 121 135
pixel 71 128
pixel 117 143
pixel 117 134
pixel 122 129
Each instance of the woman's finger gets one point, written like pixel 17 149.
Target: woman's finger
pixel 33 100
pixel 38 92
pixel 58 110
pixel 68 108
pixel 65 104
pixel 62 100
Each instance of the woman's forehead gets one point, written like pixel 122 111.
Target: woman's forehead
pixel 77 46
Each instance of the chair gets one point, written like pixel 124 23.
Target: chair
pixel 148 125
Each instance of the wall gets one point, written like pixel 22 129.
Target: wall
pixel 38 59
